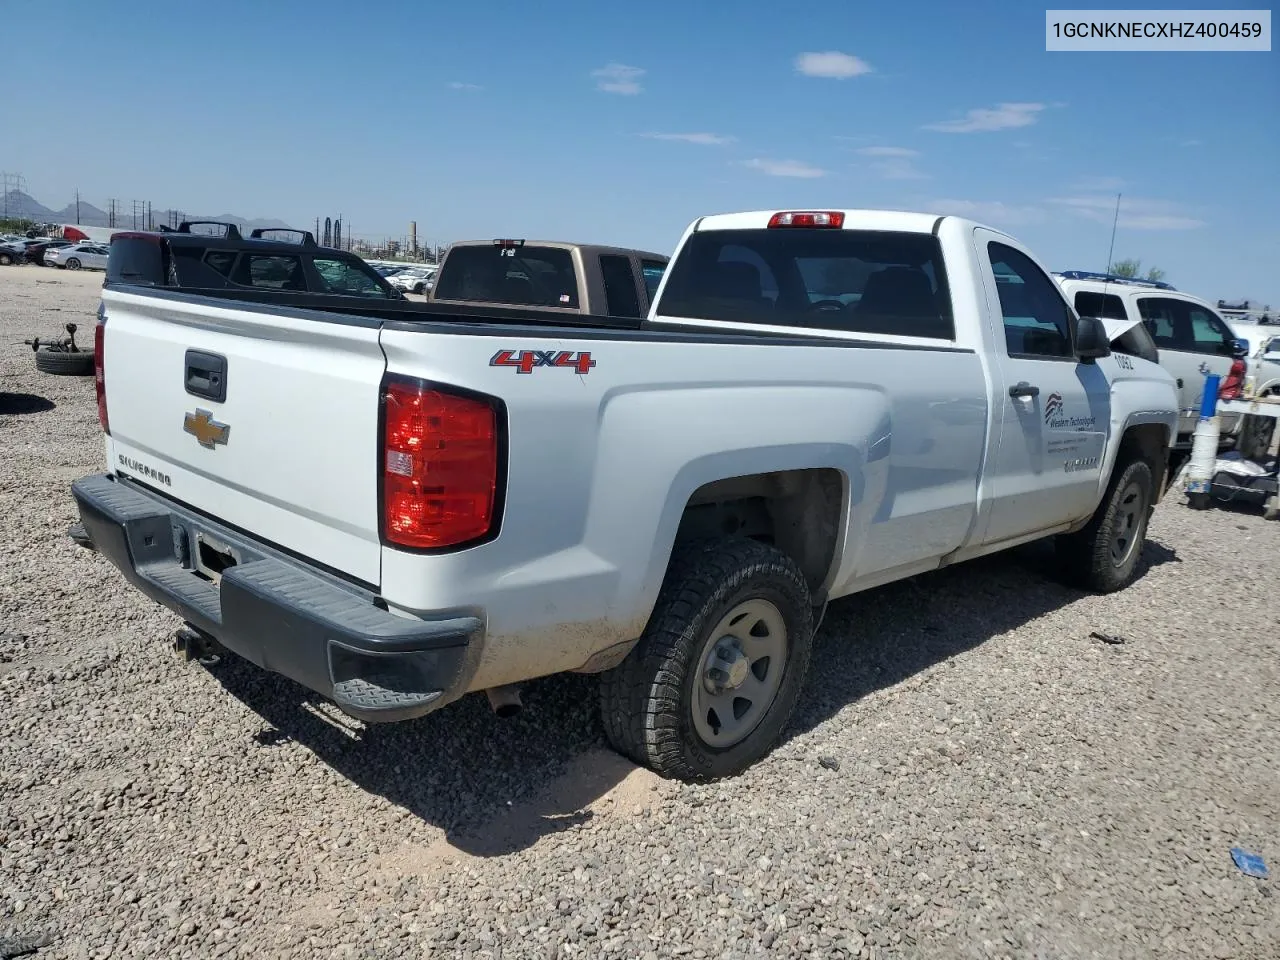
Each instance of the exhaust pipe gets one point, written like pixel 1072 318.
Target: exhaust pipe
pixel 505 700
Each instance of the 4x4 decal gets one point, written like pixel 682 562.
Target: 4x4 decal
pixel 526 360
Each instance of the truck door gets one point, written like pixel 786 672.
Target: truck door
pixel 1055 412
pixel 1193 343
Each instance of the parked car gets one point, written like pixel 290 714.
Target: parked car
pixel 1262 356
pixel 1192 339
pixel 570 277
pixel 91 256
pixel 17 251
pixel 413 279
pixel 817 403
pixel 36 251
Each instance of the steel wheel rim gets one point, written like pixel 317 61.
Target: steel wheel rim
pixel 753 635
pixel 1127 523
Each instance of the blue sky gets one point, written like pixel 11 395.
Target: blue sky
pixel 621 123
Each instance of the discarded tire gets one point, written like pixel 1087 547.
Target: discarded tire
pixel 65 363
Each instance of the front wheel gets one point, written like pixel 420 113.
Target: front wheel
pixel 1104 555
pixel 6 260
pixel 717 673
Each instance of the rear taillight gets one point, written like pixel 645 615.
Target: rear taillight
pixel 831 219
pixel 440 465
pixel 100 368
pixel 1233 383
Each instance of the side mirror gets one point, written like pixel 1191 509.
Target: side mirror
pixel 1092 343
pixel 1239 347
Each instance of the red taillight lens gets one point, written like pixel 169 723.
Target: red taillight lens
pixel 100 370
pixel 831 219
pixel 1233 384
pixel 439 466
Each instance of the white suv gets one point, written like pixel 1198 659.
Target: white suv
pixel 1192 339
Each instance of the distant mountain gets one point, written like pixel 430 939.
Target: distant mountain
pixel 18 204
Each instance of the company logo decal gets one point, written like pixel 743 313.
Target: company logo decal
pixel 1052 406
pixel 1055 417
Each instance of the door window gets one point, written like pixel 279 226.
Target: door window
pixel 346 279
pixel 1037 320
pixel 1184 326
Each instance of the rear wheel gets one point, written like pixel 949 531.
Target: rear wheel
pixel 717 673
pixel 73 264
pixel 1104 556
pixel 6 259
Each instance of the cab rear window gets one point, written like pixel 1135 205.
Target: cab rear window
pixel 530 276
pixel 878 282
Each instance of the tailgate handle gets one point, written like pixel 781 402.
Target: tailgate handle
pixel 206 375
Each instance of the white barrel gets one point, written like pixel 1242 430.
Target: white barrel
pixel 1204 455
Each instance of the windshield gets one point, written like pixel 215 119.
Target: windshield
pixel 529 275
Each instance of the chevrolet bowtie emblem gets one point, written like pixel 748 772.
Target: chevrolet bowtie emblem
pixel 208 431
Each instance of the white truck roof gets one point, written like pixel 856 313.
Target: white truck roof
pixel 902 220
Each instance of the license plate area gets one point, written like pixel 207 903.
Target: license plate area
pixel 211 557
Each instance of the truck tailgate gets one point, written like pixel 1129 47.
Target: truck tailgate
pixel 289 454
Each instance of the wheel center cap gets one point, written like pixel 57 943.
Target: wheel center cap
pixel 738 671
pixel 728 668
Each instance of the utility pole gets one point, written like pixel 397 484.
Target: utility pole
pixel 151 225
pixel 111 213
pixel 77 206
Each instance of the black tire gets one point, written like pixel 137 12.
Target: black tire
pixel 1255 435
pixel 1087 557
pixel 73 264
pixel 64 364
pixel 6 259
pixel 647 701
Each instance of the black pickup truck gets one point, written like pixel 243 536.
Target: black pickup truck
pixel 229 262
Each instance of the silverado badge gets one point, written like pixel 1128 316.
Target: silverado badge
pixel 208 431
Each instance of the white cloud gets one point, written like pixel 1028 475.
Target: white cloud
pixel 1192 143
pixel 459 85
pixel 831 64
pixel 994 212
pixel 702 139
pixel 1136 213
pixel 619 78
pixel 888 152
pixel 893 163
pixel 1003 116
pixel 786 168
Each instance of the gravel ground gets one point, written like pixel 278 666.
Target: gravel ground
pixel 970 774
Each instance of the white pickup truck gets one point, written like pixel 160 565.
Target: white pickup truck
pixel 396 504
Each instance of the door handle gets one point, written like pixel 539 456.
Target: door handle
pixel 1024 389
pixel 206 375
pixel 1179 383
